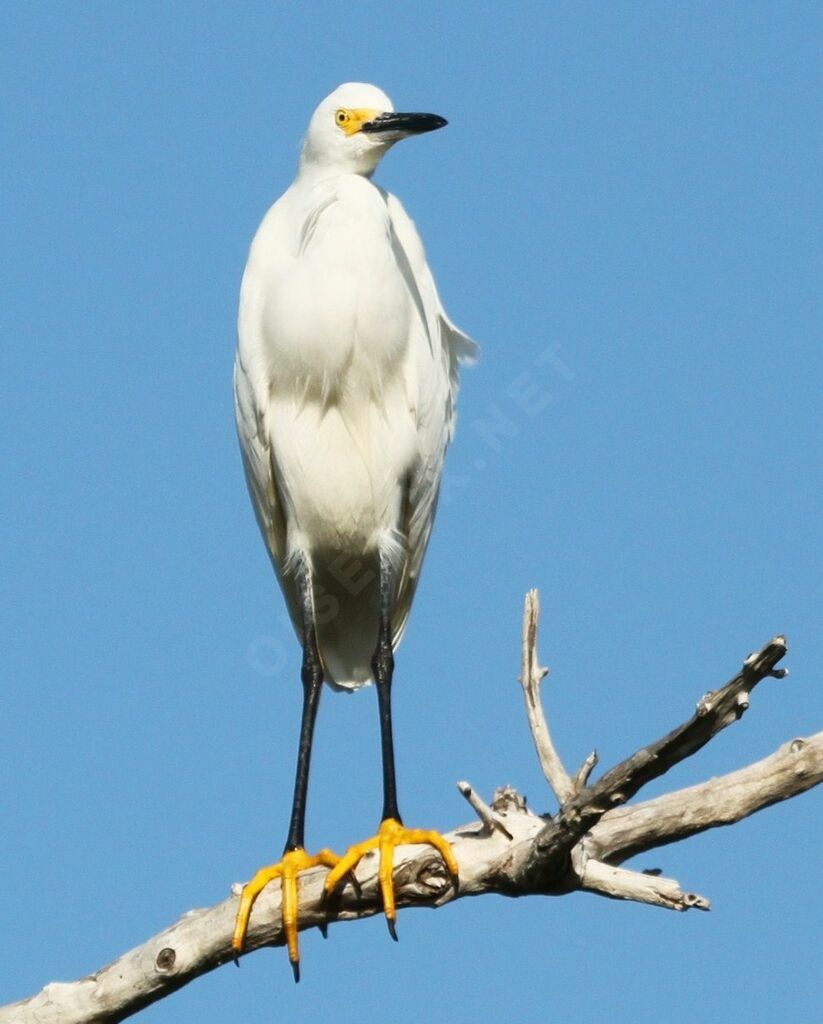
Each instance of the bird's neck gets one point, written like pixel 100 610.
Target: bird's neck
pixel 316 171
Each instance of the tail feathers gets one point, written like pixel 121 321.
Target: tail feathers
pixel 346 609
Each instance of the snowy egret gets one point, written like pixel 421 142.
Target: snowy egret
pixel 345 384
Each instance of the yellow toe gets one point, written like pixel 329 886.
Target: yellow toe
pixel 390 835
pixel 287 870
pixel 349 861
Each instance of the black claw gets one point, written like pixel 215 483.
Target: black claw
pixel 324 929
pixel 295 969
pixel 392 928
pixel 236 958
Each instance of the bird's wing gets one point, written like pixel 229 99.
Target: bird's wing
pixel 251 402
pixel 258 462
pixel 436 352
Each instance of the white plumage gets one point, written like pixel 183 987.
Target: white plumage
pixel 345 385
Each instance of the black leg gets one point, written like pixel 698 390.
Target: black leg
pixel 391 833
pixel 312 677
pixel 295 859
pixel 383 668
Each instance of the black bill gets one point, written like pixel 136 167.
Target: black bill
pixel 404 124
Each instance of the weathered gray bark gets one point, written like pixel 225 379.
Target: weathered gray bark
pixel 511 850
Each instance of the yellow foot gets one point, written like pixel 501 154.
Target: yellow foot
pixel 390 834
pixel 287 871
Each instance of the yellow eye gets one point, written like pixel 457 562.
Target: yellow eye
pixel 342 117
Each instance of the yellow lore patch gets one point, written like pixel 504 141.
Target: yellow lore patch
pixel 351 119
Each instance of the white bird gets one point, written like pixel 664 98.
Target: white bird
pixel 345 384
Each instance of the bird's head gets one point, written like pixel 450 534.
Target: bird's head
pixel 355 126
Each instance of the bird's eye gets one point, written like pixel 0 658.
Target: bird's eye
pixel 342 117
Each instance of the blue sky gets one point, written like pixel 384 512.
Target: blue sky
pixel 625 212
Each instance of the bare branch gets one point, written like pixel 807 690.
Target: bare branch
pixel 714 712
pixel 638 886
pixel 490 818
pixel 531 676
pixel 581 778
pixel 512 852
pixel 620 884
pixel 626 831
pixel 201 940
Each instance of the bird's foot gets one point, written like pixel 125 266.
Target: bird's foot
pixel 390 834
pixel 287 870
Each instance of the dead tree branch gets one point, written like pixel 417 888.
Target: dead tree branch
pixel 511 850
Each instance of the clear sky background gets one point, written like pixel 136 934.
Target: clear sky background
pixel 625 212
